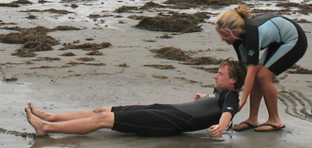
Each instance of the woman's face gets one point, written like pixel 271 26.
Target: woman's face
pixel 226 36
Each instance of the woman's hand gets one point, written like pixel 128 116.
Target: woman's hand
pixel 241 105
pixel 199 95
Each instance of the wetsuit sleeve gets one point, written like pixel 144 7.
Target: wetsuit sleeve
pixel 251 43
pixel 230 103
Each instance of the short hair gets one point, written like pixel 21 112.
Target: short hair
pixel 232 20
pixel 237 71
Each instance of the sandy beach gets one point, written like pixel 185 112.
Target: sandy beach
pixel 121 76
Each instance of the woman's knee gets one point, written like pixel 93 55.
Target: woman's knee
pixel 264 76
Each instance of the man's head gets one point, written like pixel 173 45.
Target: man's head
pixel 231 75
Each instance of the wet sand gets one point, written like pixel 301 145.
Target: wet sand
pixel 86 87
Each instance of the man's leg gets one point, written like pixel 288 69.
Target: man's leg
pixel 265 78
pixel 67 116
pixel 76 126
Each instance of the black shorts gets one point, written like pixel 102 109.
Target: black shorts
pixel 290 58
pixel 157 120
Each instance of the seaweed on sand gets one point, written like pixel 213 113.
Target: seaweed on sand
pixel 15 3
pixel 89 46
pixel 203 61
pixel 303 8
pixel 193 3
pixel 152 5
pixel 160 66
pixel 173 53
pixel 175 23
pixel 299 70
pixel 34 39
pixel 126 9
pixel 48 10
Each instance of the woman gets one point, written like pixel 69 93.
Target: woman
pixel 282 43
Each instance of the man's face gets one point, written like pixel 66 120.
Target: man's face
pixel 223 79
pixel 226 36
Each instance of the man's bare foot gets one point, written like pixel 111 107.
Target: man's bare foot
pixel 36 122
pixel 41 114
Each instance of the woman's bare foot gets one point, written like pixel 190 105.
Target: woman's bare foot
pixel 41 114
pixel 36 122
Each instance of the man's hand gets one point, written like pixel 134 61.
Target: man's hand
pixel 199 95
pixel 216 131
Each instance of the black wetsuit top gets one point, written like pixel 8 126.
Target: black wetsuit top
pixel 171 119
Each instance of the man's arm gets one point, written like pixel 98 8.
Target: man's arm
pixel 199 95
pixel 224 122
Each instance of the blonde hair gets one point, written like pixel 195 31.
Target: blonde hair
pixel 232 20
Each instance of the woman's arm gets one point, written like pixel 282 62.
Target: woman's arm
pixel 249 82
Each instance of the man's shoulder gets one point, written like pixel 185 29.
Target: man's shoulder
pixel 224 91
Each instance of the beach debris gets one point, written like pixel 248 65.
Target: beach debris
pixel 209 69
pixel 85 59
pixel 89 39
pixel 165 36
pixel 152 4
pixel 203 61
pixel 43 67
pixel 185 4
pixel 95 52
pixel 48 10
pixel 88 46
pixel 68 54
pixel 65 28
pixel 15 3
pixel 159 76
pixel 10 79
pixel 208 85
pixel 177 22
pixel 123 9
pixel 171 53
pixel 302 21
pixel 30 16
pixel 136 17
pixel 34 39
pixel 74 6
pixel 3 23
pixel 188 80
pixel 47 59
pixel 124 65
pixel 16 133
pixel 160 66
pixel 150 40
pixel 83 63
pixel 303 8
pixel 299 70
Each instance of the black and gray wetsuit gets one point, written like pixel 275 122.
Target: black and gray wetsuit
pixel 171 119
pixel 281 41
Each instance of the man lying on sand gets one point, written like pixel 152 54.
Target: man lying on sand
pixel 207 111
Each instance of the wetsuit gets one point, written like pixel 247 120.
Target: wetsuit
pixel 171 119
pixel 281 41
